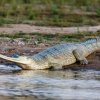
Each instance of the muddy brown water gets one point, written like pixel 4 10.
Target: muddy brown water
pixel 17 84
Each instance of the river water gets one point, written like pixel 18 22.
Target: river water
pixel 17 84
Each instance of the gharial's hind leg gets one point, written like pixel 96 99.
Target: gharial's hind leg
pixel 79 56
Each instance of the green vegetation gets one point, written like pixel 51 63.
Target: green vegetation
pixel 37 38
pixel 50 12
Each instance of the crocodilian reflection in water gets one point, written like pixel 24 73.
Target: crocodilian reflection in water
pixel 50 85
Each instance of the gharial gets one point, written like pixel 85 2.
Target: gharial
pixel 57 56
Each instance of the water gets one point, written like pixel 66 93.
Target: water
pixel 16 84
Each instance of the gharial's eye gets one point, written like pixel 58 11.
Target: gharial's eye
pixel 15 55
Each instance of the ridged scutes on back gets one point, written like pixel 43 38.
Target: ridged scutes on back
pixel 89 41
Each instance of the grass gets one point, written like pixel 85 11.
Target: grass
pixel 50 12
pixel 98 12
pixel 50 38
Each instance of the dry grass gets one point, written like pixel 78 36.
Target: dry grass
pixel 50 12
pixel 50 38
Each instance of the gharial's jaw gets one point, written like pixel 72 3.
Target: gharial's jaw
pixel 22 61
pixel 25 62
pixel 25 66
pixel 16 60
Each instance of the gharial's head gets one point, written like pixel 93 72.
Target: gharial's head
pixel 23 61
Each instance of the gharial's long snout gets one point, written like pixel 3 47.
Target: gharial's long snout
pixel 21 61
pixel 12 59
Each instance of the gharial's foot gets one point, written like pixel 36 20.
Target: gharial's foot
pixel 84 62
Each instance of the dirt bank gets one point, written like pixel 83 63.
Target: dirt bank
pixel 16 28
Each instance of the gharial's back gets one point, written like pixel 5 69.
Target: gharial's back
pixel 60 54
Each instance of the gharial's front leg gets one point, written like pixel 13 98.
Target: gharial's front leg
pixel 80 57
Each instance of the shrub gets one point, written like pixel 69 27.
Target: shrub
pixel 98 11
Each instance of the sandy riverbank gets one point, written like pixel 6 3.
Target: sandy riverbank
pixel 16 28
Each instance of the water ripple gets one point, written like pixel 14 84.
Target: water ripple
pixel 52 85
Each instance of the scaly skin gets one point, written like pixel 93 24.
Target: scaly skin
pixel 57 56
